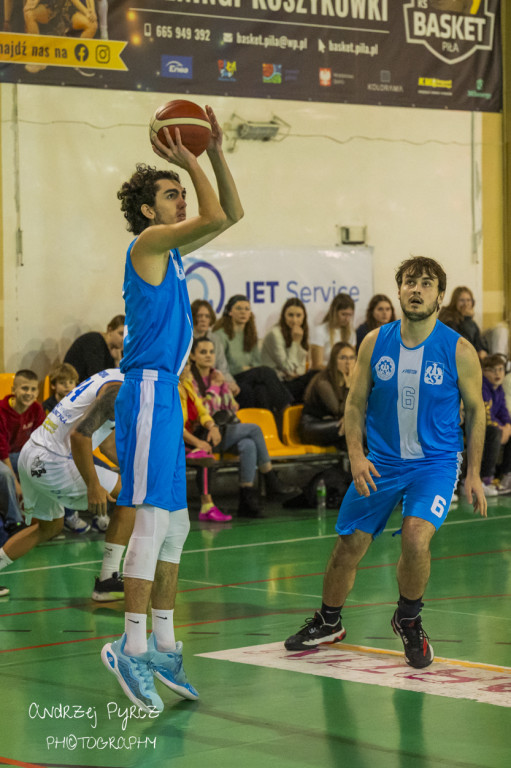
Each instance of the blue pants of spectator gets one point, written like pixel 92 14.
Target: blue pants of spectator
pixel 9 505
pixel 248 441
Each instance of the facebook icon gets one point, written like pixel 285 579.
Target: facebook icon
pixel 81 52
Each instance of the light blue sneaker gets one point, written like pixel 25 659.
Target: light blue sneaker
pixel 168 667
pixel 134 674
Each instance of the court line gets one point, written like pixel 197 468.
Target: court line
pixel 459 662
pixel 211 550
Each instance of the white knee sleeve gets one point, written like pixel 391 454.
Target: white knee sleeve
pixel 178 529
pixel 151 527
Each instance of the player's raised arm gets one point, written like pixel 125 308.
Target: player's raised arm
pixel 354 417
pixel 470 385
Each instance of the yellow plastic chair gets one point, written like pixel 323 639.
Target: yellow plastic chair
pixel 266 421
pixel 6 381
pixel 291 433
pixel 46 388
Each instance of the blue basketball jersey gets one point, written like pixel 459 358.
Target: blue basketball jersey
pixel 158 331
pixel 413 410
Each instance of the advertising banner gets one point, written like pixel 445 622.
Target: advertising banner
pixel 409 53
pixel 270 276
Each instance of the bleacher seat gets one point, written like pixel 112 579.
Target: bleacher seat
pixel 265 419
pixel 6 380
pixel 291 434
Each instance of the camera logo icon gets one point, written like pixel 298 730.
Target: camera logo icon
pixel 102 54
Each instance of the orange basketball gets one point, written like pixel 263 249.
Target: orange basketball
pixel 192 121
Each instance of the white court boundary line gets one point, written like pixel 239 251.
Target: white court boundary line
pixel 211 550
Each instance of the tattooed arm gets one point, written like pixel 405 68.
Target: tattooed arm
pixel 103 409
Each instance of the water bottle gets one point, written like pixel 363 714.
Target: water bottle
pixel 321 497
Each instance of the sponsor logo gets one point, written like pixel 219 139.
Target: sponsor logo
pixel 204 281
pixel 37 469
pixel 272 73
pixel 385 368
pixel 227 70
pixel 434 82
pixel 179 67
pixel 434 373
pixel 452 32
pixel 478 93
pixel 325 77
pixel 178 267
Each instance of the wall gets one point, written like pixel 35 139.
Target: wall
pixel 406 174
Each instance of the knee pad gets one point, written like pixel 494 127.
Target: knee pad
pixel 149 531
pixel 178 529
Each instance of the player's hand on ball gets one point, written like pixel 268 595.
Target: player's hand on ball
pixel 175 152
pixel 215 141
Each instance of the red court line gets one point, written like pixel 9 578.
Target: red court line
pixel 240 618
pixel 264 581
pixel 10 761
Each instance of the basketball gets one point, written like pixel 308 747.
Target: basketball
pixel 192 121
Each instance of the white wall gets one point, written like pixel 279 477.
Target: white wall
pixel 404 173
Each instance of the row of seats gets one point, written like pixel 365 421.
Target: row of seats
pixel 290 445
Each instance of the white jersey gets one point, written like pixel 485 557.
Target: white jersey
pixel 54 434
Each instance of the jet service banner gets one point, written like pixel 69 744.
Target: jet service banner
pixel 409 53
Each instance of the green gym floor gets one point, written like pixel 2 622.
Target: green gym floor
pixel 248 585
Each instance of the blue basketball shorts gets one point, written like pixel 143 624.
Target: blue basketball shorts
pixel 425 488
pixel 149 441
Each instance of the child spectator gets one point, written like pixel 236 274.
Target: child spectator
pixel 498 427
pixel 20 415
pixel 63 378
pixel 94 352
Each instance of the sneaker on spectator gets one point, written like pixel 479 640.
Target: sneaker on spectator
pixel 504 485
pixel 490 490
pixel 108 589
pixel 100 523
pixel 75 523
pixel 4 591
pixel 215 515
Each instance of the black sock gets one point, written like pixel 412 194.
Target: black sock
pixel 408 609
pixel 330 615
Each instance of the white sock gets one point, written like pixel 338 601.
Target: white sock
pixel 5 560
pixel 163 629
pixel 135 626
pixel 111 560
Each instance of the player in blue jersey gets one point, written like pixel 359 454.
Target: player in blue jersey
pixel 410 378
pixel 149 418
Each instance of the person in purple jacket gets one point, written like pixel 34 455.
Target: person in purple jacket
pixel 498 427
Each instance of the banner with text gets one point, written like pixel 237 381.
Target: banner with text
pixel 270 276
pixel 409 53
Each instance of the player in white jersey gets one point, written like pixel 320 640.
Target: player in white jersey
pixel 57 469
pixel 407 386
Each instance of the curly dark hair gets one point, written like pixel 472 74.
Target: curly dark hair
pixel 415 266
pixel 139 190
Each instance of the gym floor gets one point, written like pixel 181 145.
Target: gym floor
pixel 244 587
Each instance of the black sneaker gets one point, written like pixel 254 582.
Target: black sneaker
pixel 418 651
pixel 4 591
pixel 314 632
pixel 109 589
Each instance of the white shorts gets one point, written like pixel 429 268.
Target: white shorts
pixel 50 482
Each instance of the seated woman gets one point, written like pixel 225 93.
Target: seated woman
pixel 337 325
pixel 245 439
pixel 380 311
pixel 93 352
pixel 200 434
pixel 322 421
pixel 204 318
pixel 259 385
pixel 459 315
pixel 286 349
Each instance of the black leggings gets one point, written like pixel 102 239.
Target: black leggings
pixel 321 431
pixel 260 387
